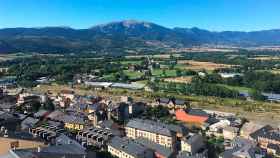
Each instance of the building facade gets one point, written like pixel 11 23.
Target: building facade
pixel 153 131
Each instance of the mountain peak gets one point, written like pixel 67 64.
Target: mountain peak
pixel 124 35
pixel 127 23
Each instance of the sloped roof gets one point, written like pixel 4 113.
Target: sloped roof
pixel 64 140
pixel 29 122
pixel 166 152
pixel 55 114
pixel 127 146
pixel 181 115
pixel 151 126
pixel 41 113
pixel 267 132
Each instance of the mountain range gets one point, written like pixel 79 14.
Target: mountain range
pixel 129 35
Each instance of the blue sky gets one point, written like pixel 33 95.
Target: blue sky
pixel 218 15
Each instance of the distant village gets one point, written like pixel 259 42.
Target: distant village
pixel 68 125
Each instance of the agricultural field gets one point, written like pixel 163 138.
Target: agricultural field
pixel 159 56
pixel 182 79
pixel 163 73
pixel 5 57
pixel 266 58
pixel 133 74
pixel 238 88
pixel 198 65
pixel 131 62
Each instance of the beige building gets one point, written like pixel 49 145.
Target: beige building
pixel 192 143
pixel 153 131
pixel 230 132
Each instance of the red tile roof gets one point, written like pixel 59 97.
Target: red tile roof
pixel 181 115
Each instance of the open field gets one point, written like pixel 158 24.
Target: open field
pixel 263 111
pixel 160 73
pixel 274 71
pixel 183 79
pixel 240 89
pixel 5 57
pixel 266 58
pixel 23 144
pixel 198 65
pixel 161 56
pixel 142 81
pixel 133 74
pixel 131 62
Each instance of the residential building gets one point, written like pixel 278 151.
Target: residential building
pixel 114 128
pixel 242 148
pixel 70 94
pixel 121 112
pixel 64 140
pixel 8 120
pixel 41 113
pixel 192 143
pixel 172 103
pixel 159 150
pixel 97 116
pixel 219 125
pixel 7 103
pixel 216 129
pixel 266 135
pixel 153 131
pixel 29 122
pixel 97 137
pixel 24 98
pixel 56 151
pixel 248 128
pixel 273 149
pixel 74 122
pixel 230 132
pixel 192 116
pixel 184 154
pixel 48 131
pixel 126 148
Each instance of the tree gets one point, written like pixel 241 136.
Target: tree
pixel 257 95
pixel 163 72
pixel 49 105
pixel 178 72
pixel 35 106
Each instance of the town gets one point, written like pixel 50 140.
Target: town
pixel 139 79
pixel 66 124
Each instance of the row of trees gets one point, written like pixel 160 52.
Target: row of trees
pixel 243 59
pixel 261 81
pixel 197 87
